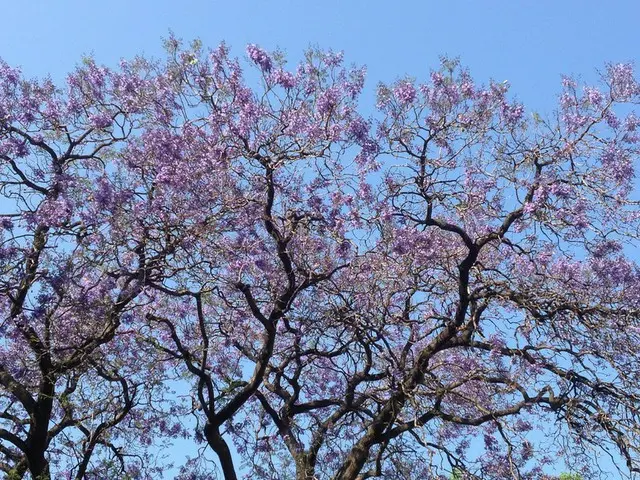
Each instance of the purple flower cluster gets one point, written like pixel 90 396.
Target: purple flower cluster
pixel 260 57
pixel 404 92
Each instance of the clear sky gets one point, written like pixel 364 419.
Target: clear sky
pixel 528 42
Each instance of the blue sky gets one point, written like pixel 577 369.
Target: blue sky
pixel 528 42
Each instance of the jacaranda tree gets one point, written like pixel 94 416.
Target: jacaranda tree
pixel 243 257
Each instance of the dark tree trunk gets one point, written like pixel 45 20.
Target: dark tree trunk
pixel 305 467
pixel 39 467
pixel 219 445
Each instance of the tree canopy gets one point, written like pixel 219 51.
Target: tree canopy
pixel 445 286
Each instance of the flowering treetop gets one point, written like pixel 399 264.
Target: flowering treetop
pixel 412 293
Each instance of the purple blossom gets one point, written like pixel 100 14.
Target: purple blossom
pixel 54 212
pixel 327 101
pixel 6 253
pixel 14 147
pixel 437 79
pixel 9 75
pixel 614 271
pixel 568 82
pixel 575 121
pixel 618 165
pixel 6 224
pixel 404 92
pixel 100 120
pixel 284 79
pixel 332 59
pixel 622 81
pixel 605 248
pixel 512 114
pixel 359 130
pixel 260 57
pixel 104 194
pixel 631 122
pixel 593 96
pixel 343 249
pixel 560 190
pixel 355 84
pixel 612 120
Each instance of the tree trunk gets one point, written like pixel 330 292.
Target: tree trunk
pixel 305 467
pixel 219 445
pixel 39 467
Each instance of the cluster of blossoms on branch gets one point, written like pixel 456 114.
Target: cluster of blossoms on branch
pixel 302 291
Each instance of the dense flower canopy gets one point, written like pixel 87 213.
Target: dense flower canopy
pixel 233 253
